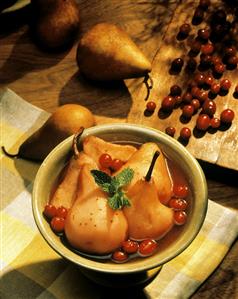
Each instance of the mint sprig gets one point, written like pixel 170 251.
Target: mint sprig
pixel 113 186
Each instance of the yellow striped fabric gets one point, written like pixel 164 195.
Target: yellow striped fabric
pixel 31 269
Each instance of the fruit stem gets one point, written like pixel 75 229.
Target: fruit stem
pixel 149 173
pixel 148 86
pixel 76 142
pixel 8 154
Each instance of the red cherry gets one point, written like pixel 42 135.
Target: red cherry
pixel 178 204
pixel 204 33
pixel 168 103
pixel 225 84
pixel 188 111
pixel 196 104
pixel 195 91
pixel 181 191
pixel 180 217
pixel 62 212
pixel 119 256
pixel 230 51
pixel 227 116
pixel 177 64
pixel 215 123
pixel 202 96
pixel 116 164
pixel 170 131
pixel 216 59
pixel 200 79
pixel 185 29
pixel 219 68
pixel 185 133
pixel 178 100
pixel 105 160
pixel 233 60
pixel 57 224
pixel 175 90
pixel 203 122
pixel 150 106
pixel 50 211
pixel 147 247
pixel 207 49
pixel 215 88
pixel 187 97
pixel 130 246
pixel 208 80
pixel 209 107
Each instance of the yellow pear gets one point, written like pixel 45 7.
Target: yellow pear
pixel 140 162
pixel 55 22
pixel 64 122
pixel 147 217
pixel 94 147
pixel 91 225
pixel 106 52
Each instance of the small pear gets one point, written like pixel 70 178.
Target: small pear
pixel 106 52
pixel 140 162
pixel 147 217
pixel 55 22
pixel 94 147
pixel 91 225
pixel 64 122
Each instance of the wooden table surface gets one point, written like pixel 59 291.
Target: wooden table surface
pixel 48 80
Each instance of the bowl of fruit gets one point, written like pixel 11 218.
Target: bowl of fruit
pixel 119 201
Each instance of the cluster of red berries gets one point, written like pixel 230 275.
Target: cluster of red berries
pixel 109 165
pixel 211 53
pixel 56 217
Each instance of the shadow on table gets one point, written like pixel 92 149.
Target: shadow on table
pixel 47 279
pixel 109 99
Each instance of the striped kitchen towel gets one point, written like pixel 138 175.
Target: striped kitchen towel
pixel 31 269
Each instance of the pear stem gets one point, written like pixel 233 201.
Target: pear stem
pixel 148 86
pixel 8 154
pixel 76 142
pixel 149 173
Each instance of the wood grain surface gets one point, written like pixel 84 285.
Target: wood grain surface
pixel 48 80
pixel 214 146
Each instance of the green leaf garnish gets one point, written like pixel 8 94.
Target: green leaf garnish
pixel 113 186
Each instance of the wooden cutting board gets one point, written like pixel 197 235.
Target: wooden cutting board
pixel 219 147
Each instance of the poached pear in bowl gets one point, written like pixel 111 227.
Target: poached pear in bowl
pixel 140 269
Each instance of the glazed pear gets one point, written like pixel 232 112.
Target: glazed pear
pixel 147 217
pixel 66 190
pixel 55 22
pixel 65 121
pixel 106 52
pixel 94 147
pixel 91 225
pixel 140 162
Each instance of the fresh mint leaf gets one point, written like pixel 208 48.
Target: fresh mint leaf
pixel 113 185
pixel 124 177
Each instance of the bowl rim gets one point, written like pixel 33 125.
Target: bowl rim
pixel 116 268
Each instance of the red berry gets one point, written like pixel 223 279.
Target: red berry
pixel 219 68
pixel 62 212
pixel 130 246
pixel 200 79
pixel 119 256
pixel 196 104
pixel 185 133
pixel 116 164
pixel 204 4
pixel 230 51
pixel 187 97
pixel 179 204
pixel 227 116
pixel 203 122
pixel 177 64
pixel 195 91
pixel 195 47
pixel 57 224
pixel 170 131
pixel 168 103
pixel 204 33
pixel 178 100
pixel 208 80
pixel 181 191
pixel 150 106
pixel 207 49
pixel 202 96
pixel 209 107
pixel 175 90
pixel 185 29
pixel 215 88
pixel 50 211
pixel 191 64
pixel 233 60
pixel 180 217
pixel 225 84
pixel 105 160
pixel 215 123
pixel 188 111
pixel 147 247
pixel 216 59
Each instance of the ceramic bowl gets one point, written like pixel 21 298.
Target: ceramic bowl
pixel 142 269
